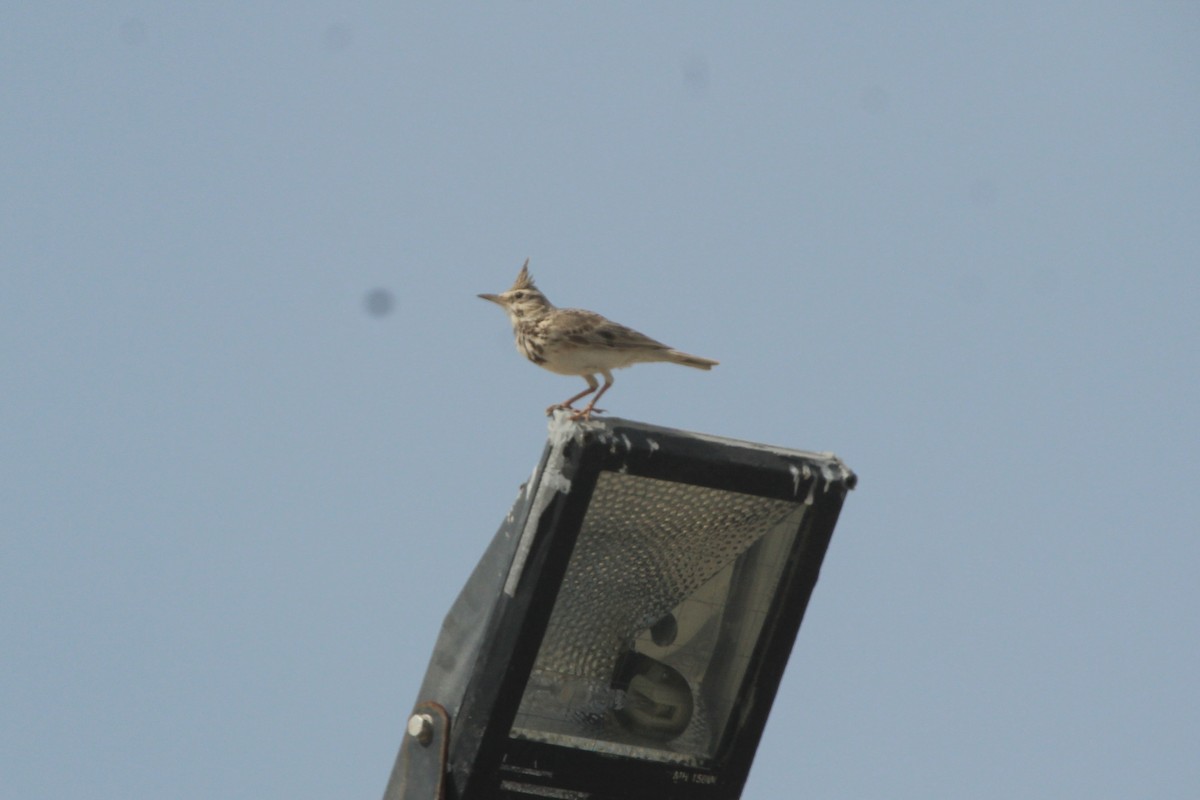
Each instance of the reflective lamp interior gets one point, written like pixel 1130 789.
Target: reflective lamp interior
pixel 658 615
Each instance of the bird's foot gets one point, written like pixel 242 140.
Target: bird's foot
pixel 585 414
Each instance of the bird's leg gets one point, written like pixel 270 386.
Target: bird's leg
pixel 586 412
pixel 593 384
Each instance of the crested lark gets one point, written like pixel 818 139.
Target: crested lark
pixel 571 341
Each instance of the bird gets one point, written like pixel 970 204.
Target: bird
pixel 573 341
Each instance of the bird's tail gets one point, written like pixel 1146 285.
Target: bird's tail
pixel 688 360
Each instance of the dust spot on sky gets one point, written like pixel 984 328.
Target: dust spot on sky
pixel 696 76
pixel 132 32
pixel 379 302
pixel 337 37
pixel 875 99
pixel 982 192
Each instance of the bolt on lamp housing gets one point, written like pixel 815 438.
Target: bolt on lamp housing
pixel 626 631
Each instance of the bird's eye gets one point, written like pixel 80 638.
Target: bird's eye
pixel 518 295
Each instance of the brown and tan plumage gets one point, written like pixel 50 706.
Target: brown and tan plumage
pixel 572 341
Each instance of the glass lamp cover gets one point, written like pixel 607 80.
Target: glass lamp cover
pixel 652 631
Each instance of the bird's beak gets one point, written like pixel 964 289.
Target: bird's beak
pixel 495 298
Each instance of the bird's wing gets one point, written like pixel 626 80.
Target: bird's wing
pixel 589 329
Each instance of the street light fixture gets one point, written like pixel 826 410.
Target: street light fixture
pixel 625 632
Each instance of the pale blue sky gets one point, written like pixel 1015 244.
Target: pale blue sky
pixel 957 244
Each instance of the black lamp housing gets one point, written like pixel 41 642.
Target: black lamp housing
pixel 624 635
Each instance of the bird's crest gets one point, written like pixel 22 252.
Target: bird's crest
pixel 524 279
